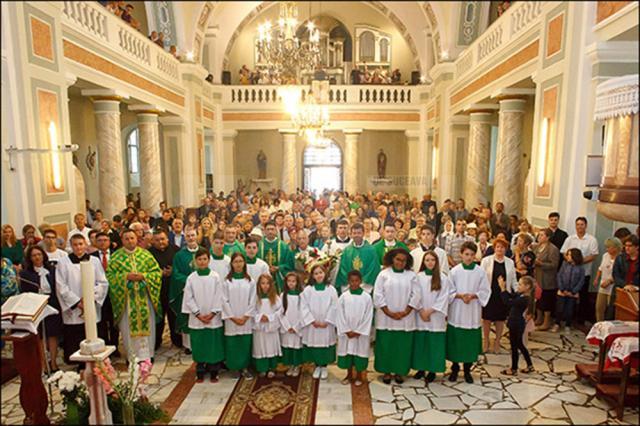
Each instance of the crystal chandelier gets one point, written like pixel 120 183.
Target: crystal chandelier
pixel 311 115
pixel 281 51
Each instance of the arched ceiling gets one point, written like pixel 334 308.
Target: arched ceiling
pixel 414 20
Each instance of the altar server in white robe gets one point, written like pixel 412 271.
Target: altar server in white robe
pixel 291 324
pixel 69 292
pixel 470 291
pixel 255 265
pixel 355 313
pixel 428 243
pixel 238 310
pixel 429 339
pixel 395 296
pixel 202 301
pixel 266 327
pixel 219 262
pixel 319 310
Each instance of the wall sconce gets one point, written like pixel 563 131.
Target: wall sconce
pixel 55 159
pixel 190 56
pixel 542 153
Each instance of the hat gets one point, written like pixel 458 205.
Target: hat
pixel 256 232
pixel 613 242
pixel 472 225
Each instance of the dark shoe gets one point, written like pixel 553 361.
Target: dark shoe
pixel 453 377
pixel 430 377
pixel 214 378
pixel 187 351
pixel 419 375
pixel 199 378
pixel 468 377
pixel 399 379
pixel 386 379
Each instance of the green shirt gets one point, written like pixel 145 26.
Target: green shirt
pixel 382 249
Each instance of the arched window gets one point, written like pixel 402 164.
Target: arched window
pixel 384 50
pixel 133 159
pixel 322 168
pixel 367 47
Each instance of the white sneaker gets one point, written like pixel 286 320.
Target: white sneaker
pixel 316 373
pixel 324 373
pixel 296 371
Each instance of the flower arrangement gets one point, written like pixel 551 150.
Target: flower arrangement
pixel 306 260
pixel 74 395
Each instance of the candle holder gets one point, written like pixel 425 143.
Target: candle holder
pixel 100 413
pixel 92 347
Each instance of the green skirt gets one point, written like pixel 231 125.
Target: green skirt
pixel 207 344
pixel 463 345
pixel 320 356
pixel 266 364
pixel 393 351
pixel 238 351
pixel 291 357
pixel 348 361
pixel 429 351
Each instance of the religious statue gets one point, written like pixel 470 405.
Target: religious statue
pixel 382 164
pixel 262 165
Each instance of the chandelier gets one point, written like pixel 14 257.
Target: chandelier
pixel 311 115
pixel 282 52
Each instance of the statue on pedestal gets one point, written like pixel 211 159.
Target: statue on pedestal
pixel 262 165
pixel 382 164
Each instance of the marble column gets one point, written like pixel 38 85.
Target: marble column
pixel 414 163
pixel 110 157
pixel 150 168
pixel 351 137
pixel 289 163
pixel 228 147
pixel 476 189
pixel 508 186
pixel 429 165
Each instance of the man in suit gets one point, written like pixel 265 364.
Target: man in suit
pixel 176 236
pixel 499 220
pixel 108 324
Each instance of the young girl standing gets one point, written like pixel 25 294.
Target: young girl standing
pixel 266 338
pixel 319 309
pixel 429 340
pixel 238 309
pixel 518 302
pixel 291 324
pixel 201 302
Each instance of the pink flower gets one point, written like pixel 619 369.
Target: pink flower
pixel 145 369
pixel 106 383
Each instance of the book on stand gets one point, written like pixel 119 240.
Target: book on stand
pixel 25 312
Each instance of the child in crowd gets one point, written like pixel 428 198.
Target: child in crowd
pixel 219 262
pixel 470 292
pixel 255 265
pixel 429 339
pixel 266 338
pixel 518 303
pixel 238 309
pixel 355 312
pixel 570 282
pixel 201 302
pixel 319 309
pixel 291 324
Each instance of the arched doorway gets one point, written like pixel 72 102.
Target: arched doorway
pixel 322 168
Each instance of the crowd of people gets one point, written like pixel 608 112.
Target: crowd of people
pixel 250 280
pixel 377 76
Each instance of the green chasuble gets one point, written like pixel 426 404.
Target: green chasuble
pixel 363 259
pixel 277 253
pixel 184 263
pixel 236 246
pixel 122 291
pixel 381 248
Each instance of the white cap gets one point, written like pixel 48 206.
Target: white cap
pixel 256 231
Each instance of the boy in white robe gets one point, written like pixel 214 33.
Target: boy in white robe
pixel 266 336
pixel 469 292
pixel 202 301
pixel 427 236
pixel 219 262
pixel 291 324
pixel 355 313
pixel 255 265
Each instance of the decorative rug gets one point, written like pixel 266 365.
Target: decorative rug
pixel 281 400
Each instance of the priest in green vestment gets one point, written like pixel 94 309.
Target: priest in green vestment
pixel 184 264
pixel 358 256
pixel 277 255
pixel 135 280
pixel 388 242
pixel 231 244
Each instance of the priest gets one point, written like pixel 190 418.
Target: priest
pixel 336 246
pixel 231 244
pixel 135 282
pixel 276 253
pixel 388 242
pixel 358 256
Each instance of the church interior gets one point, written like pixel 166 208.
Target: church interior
pixel 121 107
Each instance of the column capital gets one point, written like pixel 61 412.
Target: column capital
pixel 486 108
pixel 288 131
pixel 512 105
pixel 146 109
pixel 513 93
pixel 70 78
pixel 229 134
pixel 171 120
pixel 459 120
pixel 351 131
pixel 209 133
pixel 412 134
pixel 104 94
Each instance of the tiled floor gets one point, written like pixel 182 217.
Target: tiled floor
pixel 552 395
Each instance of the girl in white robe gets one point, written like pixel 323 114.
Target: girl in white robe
pixel 238 310
pixel 429 340
pixel 291 324
pixel 355 313
pixel 319 309
pixel 266 325
pixel 469 293
pixel 395 296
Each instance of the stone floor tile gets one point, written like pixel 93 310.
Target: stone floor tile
pixel 382 409
pixel 527 394
pixel 551 408
pixel 448 403
pixel 570 396
pixel 435 417
pixel 499 417
pixel 441 390
pixel 585 415
pixel 419 402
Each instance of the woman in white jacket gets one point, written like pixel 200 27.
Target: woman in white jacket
pixel 497 265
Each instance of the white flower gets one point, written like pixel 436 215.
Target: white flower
pixel 56 376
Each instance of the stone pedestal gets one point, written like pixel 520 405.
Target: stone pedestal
pixel 508 185
pixel 289 164
pixel 476 189
pixel 150 168
pixel 100 413
pixel 351 137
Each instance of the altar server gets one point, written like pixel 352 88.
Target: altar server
pixel 238 309
pixel 395 296
pixel 470 291
pixel 291 324
pixel 319 309
pixel 266 325
pixel 355 313
pixel 429 339
pixel 255 265
pixel 427 236
pixel 219 262
pixel 202 302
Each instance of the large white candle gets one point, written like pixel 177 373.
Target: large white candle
pixel 88 300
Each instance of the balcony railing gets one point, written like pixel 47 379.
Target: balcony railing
pixel 337 95
pixel 519 18
pixel 93 20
